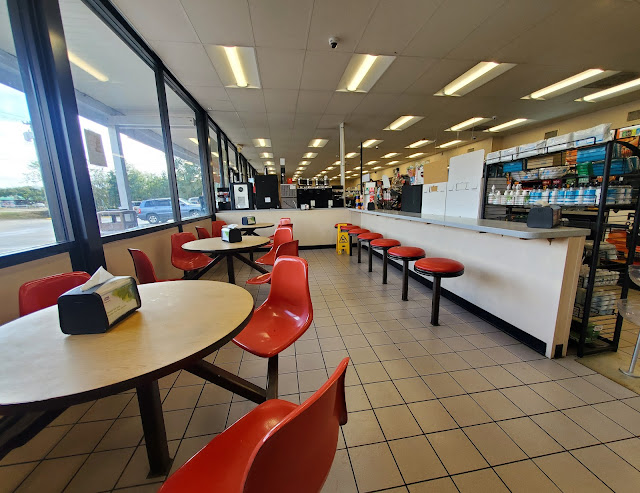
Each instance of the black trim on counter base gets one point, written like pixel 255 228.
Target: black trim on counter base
pixel 527 339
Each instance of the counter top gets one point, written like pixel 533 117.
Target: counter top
pixel 504 228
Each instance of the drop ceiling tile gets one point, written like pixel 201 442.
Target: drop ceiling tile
pixel 188 62
pixel 379 104
pixel 281 100
pixel 439 75
pixel 280 68
pixel 313 101
pixel 281 120
pixel 330 121
pixel 348 25
pixel 393 25
pixel 281 23
pixel 223 22
pixel 436 38
pixel 253 119
pixel 343 103
pixel 403 72
pixel 247 99
pixel 211 98
pixel 306 122
pixel 169 21
pixel 227 120
pixel 322 71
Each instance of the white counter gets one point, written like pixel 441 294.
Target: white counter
pixel 529 284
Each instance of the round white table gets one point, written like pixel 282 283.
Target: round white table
pixel 178 324
pixel 215 246
pixel 250 229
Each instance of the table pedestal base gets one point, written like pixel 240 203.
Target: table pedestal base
pixel 228 381
pixel 155 435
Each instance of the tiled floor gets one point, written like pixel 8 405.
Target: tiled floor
pixel 460 407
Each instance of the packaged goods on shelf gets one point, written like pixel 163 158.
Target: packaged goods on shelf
pixel 607 250
pixel 513 166
pixel 571 157
pixel 626 132
pixel 531 149
pixel 593 135
pixel 604 277
pixel 593 331
pixel 509 154
pixel 591 154
pixel 493 157
pixel 602 300
pixel 560 142
pixel 544 161
pixel 528 175
pixel 554 172
pixel 597 309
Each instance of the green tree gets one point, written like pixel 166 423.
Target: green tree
pixel 105 188
pixel 189 178
pixel 147 185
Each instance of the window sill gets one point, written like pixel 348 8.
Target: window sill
pixel 16 258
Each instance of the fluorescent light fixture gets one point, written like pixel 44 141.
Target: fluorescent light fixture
pixel 512 123
pixel 318 142
pixel 390 155
pixel 351 154
pixel 329 167
pixel 473 78
pixel 611 92
pixel 404 122
pixel 371 143
pixel 357 167
pixel 262 142
pixel 417 154
pixel 303 163
pixel 81 64
pixel 194 140
pixel 390 162
pixel 236 66
pixel 215 154
pixel 419 143
pixel 449 144
pixel 371 162
pixel 378 167
pixel 363 71
pixel 337 162
pixel 266 155
pixel 471 122
pixel 570 83
pixel 268 163
pixel 309 155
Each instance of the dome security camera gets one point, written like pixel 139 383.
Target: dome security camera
pixel 333 42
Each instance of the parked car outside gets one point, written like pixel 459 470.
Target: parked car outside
pixel 159 210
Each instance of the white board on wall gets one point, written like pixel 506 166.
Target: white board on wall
pixel 434 197
pixel 464 187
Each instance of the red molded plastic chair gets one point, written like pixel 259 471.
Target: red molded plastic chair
pixel 284 316
pixel 145 272
pixel 279 447
pixel 216 228
pixel 282 235
pixel 288 248
pixel 43 293
pixel 202 233
pixel 184 260
pixel 285 220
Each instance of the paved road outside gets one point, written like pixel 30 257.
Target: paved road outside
pixel 23 234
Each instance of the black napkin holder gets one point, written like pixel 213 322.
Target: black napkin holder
pixel 99 308
pixel 544 217
pixel 231 235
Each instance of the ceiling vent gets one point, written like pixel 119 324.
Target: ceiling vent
pixel 633 115
pixel 551 133
pixel 614 80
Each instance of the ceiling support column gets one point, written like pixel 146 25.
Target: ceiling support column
pixel 342 160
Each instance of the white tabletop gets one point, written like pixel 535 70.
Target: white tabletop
pixel 216 245
pixel 178 321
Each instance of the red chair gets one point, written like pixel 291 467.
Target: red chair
pixel 282 235
pixel 43 293
pixel 288 248
pixel 202 233
pixel 279 447
pixel 284 221
pixel 145 272
pixel 284 316
pixel 216 228
pixel 184 260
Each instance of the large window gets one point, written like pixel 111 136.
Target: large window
pixel 29 211
pixel 120 124
pixel 184 136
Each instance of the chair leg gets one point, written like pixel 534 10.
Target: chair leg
pixel 385 262
pixel 359 251
pixel 370 257
pixel 435 302
pixel 405 280
pixel 272 378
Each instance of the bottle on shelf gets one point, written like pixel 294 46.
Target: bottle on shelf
pixel 580 195
pixel 492 194
pixel 560 200
pixel 545 195
pixel 497 198
pixel 553 196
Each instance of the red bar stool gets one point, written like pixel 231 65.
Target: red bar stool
pixel 344 225
pixel 406 254
pixel 438 268
pixel 367 237
pixel 279 447
pixel 383 244
pixel 354 233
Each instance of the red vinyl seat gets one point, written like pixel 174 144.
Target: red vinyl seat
pixel 384 244
pixel 44 292
pixel 216 228
pixel 144 268
pixel 288 248
pixel 367 238
pixel 284 316
pixel 344 225
pixel 406 254
pixel 279 447
pixel 184 260
pixel 438 268
pixel 354 232
pixel 202 233
pixel 282 235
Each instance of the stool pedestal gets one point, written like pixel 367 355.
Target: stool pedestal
pixel 406 254
pixel 383 244
pixel 367 237
pixel 438 268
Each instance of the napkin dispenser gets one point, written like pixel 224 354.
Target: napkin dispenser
pixel 231 235
pixel 544 217
pixel 249 220
pixel 97 309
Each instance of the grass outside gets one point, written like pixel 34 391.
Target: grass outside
pixel 39 213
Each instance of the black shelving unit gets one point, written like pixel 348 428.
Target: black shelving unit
pixel 607 222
